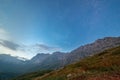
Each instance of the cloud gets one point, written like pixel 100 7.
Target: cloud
pixel 5 50
pixel 40 48
pixel 26 51
pixel 9 44
pixel 9 47
pixel 46 47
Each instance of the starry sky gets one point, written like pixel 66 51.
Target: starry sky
pixel 28 27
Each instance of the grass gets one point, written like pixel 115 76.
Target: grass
pixel 103 64
pixel 107 62
pixel 30 76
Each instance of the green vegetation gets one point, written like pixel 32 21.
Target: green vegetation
pixel 102 65
pixel 107 62
pixel 30 76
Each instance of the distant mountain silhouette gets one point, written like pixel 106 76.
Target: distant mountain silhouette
pixel 40 57
pixel 10 66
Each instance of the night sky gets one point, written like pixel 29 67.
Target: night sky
pixel 28 27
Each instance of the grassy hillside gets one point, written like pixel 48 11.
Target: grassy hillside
pixel 103 66
pixel 31 76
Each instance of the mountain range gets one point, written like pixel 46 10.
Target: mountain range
pixel 57 60
pixel 101 66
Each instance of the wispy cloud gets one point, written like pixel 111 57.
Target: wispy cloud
pixel 9 44
pixel 8 47
pixel 46 47
pixel 27 51
pixel 40 48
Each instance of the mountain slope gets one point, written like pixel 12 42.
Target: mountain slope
pixel 93 48
pixel 40 57
pixel 10 66
pixel 54 61
pixel 103 66
pixel 30 76
pixel 59 59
